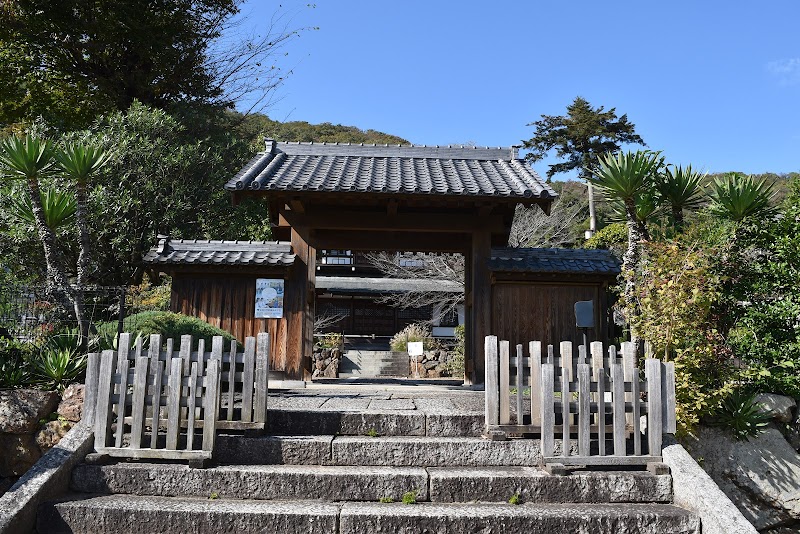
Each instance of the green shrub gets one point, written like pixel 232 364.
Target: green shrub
pixel 386 500
pixel 168 324
pixel 742 416
pixel 413 332
pixel 515 499
pixel 14 364
pixel 147 297
pixel 55 368
pixel 331 340
pixel 455 365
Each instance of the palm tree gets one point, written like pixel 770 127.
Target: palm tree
pixel 58 206
pixel 681 188
pixel 628 178
pixel 78 163
pixel 30 159
pixel 737 197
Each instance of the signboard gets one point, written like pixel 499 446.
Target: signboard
pixel 584 314
pixel 415 348
pixel 269 298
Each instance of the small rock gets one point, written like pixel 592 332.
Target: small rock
pixel 317 373
pixel 20 452
pixel 330 371
pixel 326 353
pixel 320 365
pixel 336 352
pixel 51 434
pixel 778 407
pixel 21 409
pixel 434 373
pixel 71 406
pixel 431 364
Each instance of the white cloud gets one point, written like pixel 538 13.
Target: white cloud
pixel 786 71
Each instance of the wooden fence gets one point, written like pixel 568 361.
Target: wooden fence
pixel 601 422
pixel 174 393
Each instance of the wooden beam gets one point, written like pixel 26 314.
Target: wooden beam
pixel 299 312
pixel 391 208
pixel 481 293
pixel 297 206
pixel 381 221
pixel 387 240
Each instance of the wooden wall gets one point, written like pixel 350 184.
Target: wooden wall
pixel 529 311
pixel 228 302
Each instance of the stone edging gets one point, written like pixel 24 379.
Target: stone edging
pixel 695 490
pixel 49 477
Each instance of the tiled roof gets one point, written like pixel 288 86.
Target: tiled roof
pixel 206 252
pixel 353 284
pixel 554 260
pixel 408 169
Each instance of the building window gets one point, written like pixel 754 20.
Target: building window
pixel 449 318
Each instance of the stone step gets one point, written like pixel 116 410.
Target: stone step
pixel 460 484
pixel 257 482
pixel 386 418
pixel 371 483
pixel 129 514
pixel 396 451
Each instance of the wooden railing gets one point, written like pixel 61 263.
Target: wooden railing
pixel 163 396
pixel 592 406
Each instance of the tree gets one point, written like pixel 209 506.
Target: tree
pixel 70 60
pixel 737 197
pixel 580 136
pixel 31 159
pixel 681 189
pixel 627 177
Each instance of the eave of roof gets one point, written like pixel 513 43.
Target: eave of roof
pixel 476 172
pixel 554 260
pixel 212 252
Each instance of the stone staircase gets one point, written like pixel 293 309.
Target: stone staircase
pixel 358 363
pixel 336 482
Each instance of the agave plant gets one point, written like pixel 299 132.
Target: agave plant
pixel 56 367
pixel 742 416
pixel 737 197
pixel 681 189
pixel 58 206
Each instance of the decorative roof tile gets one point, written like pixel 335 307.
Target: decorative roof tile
pixel 554 260
pixel 209 252
pixel 406 169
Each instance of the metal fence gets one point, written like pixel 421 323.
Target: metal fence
pixel 28 312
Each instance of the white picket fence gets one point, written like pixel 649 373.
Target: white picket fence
pixel 162 397
pixel 584 392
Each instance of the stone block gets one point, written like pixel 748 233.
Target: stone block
pixel 50 434
pixel 294 450
pixel 779 407
pixel 19 453
pixel 21 409
pixel 130 514
pixel 71 405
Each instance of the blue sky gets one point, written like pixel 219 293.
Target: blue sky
pixel 711 83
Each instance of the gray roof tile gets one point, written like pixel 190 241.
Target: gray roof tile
pixel 210 252
pixel 554 260
pixel 411 169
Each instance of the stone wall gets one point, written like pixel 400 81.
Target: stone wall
pixel 434 364
pixel 31 423
pixel 326 362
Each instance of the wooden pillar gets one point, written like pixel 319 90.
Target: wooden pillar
pixel 481 300
pixel 299 306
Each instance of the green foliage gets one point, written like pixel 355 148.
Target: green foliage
pixel 681 189
pixel 372 433
pixel 262 127
pixel 515 499
pixel 613 237
pixel 762 302
pixel 59 208
pixel 25 158
pixel 623 176
pixel 78 162
pixel 455 364
pixel 57 367
pixel 14 367
pixel 742 416
pixel 410 497
pixel 737 197
pixel 168 324
pixel 386 500
pixel 331 340
pixel 413 332
pixel 580 136
pixel 147 297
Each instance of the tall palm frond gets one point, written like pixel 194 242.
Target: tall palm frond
pixel 737 197
pixel 25 158
pixel 59 208
pixel 681 189
pixel 78 162
pixel 623 175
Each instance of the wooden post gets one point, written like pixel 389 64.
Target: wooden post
pixel 481 293
pixel 299 308
pixel 505 390
pixel 492 387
